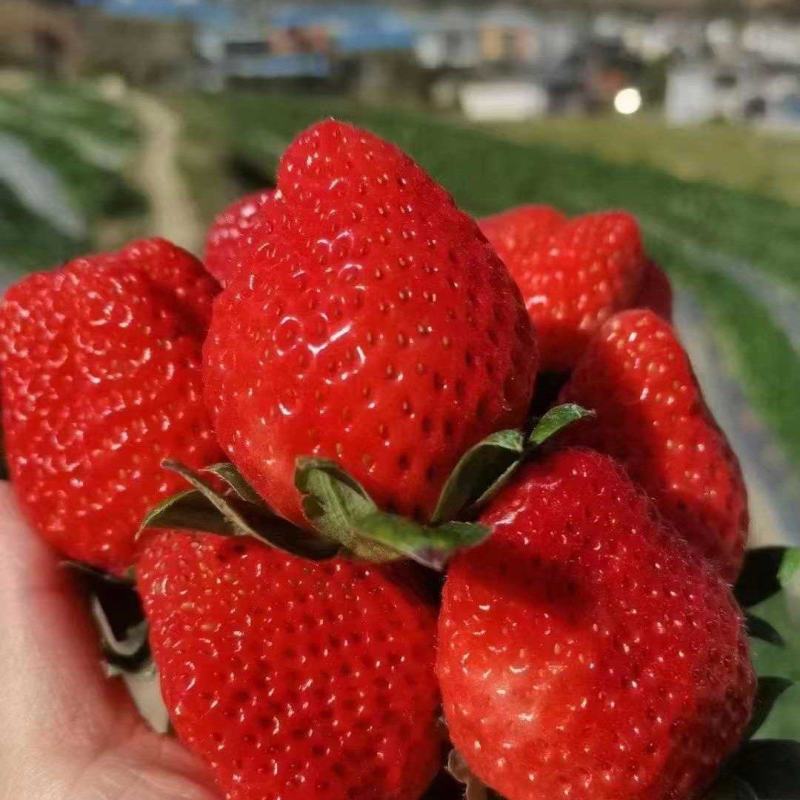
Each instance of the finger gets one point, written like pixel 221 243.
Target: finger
pixel 65 729
pixel 51 678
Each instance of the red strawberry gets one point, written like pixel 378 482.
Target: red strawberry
pixel 583 651
pixel 293 679
pixel 230 234
pixel 652 417
pixel 573 274
pixel 378 329
pixel 101 381
pixel 177 275
pixel 655 292
pixel 521 230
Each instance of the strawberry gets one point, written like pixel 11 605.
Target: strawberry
pixel 290 678
pixel 101 380
pixel 651 416
pixel 584 652
pixel 655 292
pixel 231 232
pixel 520 232
pixel 573 274
pixel 378 329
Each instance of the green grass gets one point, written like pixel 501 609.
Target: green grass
pixel 784 722
pixel 689 226
pixel 207 146
pixel 76 107
pixel 27 242
pixel 487 174
pixel 763 355
pixel 87 142
pixel 96 190
pixel 729 155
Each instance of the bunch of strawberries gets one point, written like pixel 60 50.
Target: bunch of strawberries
pixel 367 390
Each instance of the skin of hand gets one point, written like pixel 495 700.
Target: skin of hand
pixel 66 731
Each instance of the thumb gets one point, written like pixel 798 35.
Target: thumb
pixel 51 675
pixel 65 729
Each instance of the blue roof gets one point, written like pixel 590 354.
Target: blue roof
pixel 354 27
pixel 198 11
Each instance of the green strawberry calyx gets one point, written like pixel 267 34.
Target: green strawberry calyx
pixel 339 508
pixel 236 510
pixel 487 466
pixel 344 518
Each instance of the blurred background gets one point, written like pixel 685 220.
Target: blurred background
pixel 122 118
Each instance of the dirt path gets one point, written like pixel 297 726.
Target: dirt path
pixel 172 212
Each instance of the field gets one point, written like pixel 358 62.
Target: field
pixel 734 252
pixel 722 153
pixel 63 153
pixel 730 241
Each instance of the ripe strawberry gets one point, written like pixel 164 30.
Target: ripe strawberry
pixel 651 416
pixel 583 651
pixel 230 235
pixel 101 381
pixel 176 274
pixel 655 292
pixel 290 678
pixel 573 274
pixel 378 329
pixel 519 232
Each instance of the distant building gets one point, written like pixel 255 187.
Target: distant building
pixel 503 100
pixel 448 40
pixel 747 90
pixel 38 35
pixel 145 41
pixel 368 47
pixel 691 94
pixel 498 60
pixel 507 62
pixel 466 38
pixel 493 63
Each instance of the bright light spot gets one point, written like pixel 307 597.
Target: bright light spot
pixel 628 101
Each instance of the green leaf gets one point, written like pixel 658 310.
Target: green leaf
pixel 189 510
pixel 487 466
pixel 770 688
pixel 335 503
pixel 340 508
pixel 555 420
pixel 790 564
pixel 480 472
pixel 730 787
pixel 206 509
pixel 429 545
pixel 758 579
pixel 97 574
pixel 234 479
pixel 129 654
pixel 771 767
pixel 758 628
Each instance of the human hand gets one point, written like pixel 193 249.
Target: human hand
pixel 67 732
